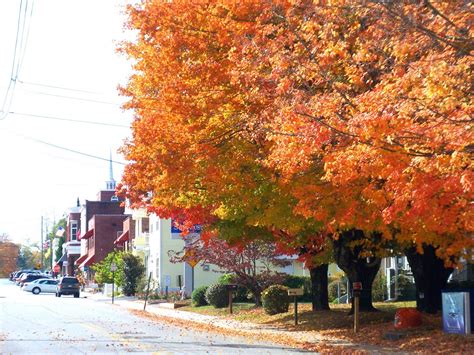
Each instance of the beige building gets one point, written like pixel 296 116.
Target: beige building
pixel 155 238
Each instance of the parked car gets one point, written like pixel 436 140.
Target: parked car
pixel 18 278
pixel 44 285
pixel 31 277
pixel 68 285
pixel 17 274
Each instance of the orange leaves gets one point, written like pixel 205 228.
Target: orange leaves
pixel 356 116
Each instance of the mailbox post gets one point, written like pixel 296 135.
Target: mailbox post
pixel 295 292
pixel 230 289
pixel 356 290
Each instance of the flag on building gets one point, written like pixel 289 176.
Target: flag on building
pixel 60 232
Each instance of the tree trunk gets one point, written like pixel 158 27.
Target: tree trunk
pixel 430 278
pixel 319 287
pixel 356 268
pixel 257 296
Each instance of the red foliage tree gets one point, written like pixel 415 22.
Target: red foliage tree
pixel 251 264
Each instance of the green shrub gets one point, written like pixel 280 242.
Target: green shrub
pixel 199 296
pixel 217 296
pixel 226 279
pixel 275 299
pixel 379 287
pixel 134 271
pixel 406 288
pixel 332 290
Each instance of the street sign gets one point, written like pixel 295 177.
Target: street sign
pixel 357 286
pixel 231 287
pixel 191 258
pixel 113 267
pixel 56 268
pixel 295 292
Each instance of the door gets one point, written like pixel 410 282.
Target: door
pixel 49 286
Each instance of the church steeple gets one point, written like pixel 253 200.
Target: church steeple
pixel 111 184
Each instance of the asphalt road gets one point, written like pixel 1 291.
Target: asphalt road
pixel 45 324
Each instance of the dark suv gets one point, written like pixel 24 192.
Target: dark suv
pixel 68 285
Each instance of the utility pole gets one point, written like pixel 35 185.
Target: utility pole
pixel 51 239
pixel 41 245
pixel 47 238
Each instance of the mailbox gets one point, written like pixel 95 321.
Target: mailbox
pixel 231 287
pixel 295 292
pixel 356 289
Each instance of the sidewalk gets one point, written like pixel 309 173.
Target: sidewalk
pixel 309 339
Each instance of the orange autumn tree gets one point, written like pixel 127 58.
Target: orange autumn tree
pixel 329 99
pixel 192 146
pixel 381 95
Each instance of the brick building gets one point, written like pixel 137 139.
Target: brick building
pixel 101 222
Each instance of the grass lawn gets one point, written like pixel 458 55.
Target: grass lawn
pixel 337 318
pixel 337 323
pixel 237 308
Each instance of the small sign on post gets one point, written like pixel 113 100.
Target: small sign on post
pixel 113 268
pixel 231 288
pixel 147 291
pixel 295 292
pixel 356 290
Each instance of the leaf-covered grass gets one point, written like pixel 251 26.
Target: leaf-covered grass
pixel 337 323
pixel 237 308
pixel 319 320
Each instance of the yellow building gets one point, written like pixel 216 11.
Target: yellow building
pixel 155 238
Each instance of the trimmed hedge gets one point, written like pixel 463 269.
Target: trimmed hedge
pixel 275 299
pixel 217 296
pixel 199 296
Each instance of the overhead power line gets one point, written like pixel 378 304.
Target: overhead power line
pixel 66 149
pixel 25 13
pixel 74 98
pixel 69 119
pixel 58 87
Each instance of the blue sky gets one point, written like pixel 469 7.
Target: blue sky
pixel 69 72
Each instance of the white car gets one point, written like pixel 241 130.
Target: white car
pixel 41 285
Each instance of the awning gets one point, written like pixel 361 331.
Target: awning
pixel 81 259
pixel 122 238
pixel 63 258
pixel 88 234
pixel 89 260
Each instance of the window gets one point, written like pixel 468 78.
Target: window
pixel 145 225
pixel 73 230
